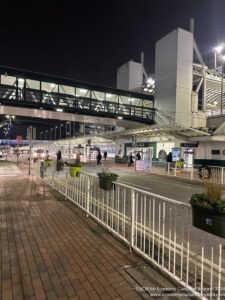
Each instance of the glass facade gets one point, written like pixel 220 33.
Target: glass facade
pixel 74 96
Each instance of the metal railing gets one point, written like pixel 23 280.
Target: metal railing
pixel 157 228
pixel 211 173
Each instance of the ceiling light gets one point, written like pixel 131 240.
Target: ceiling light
pixel 108 95
pixel 120 118
pixel 52 85
pixel 21 80
pixel 83 91
pixel 150 81
pixel 59 109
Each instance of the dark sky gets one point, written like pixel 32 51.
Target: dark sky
pixel 89 40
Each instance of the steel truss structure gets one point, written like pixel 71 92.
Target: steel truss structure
pixel 33 90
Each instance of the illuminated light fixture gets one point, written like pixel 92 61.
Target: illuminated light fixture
pixel 215 102
pixel 145 89
pixel 108 95
pixel 224 57
pixel 83 91
pixel 120 118
pixel 52 85
pixel 59 109
pixel 21 80
pixel 150 81
pixel 7 116
pixel 219 48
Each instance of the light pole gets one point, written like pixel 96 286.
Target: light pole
pixel 67 123
pixel 69 137
pixel 218 50
pixel 55 131
pixel 10 124
pixel 51 133
pixel 221 104
pixel 60 131
pixel 46 131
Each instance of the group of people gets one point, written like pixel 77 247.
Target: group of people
pixel 99 158
pixel 131 158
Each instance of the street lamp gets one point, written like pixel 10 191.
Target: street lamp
pixel 221 104
pixel 218 50
pixel 10 124
pixel 67 123
pixel 46 131
pixel 60 131
pixel 55 131
pixel 51 133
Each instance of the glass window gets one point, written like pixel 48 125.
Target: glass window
pixel 8 80
pixel 33 84
pixel 98 95
pixel 80 92
pixel 124 99
pixel 49 87
pixel 111 97
pixel 68 90
pixel 135 101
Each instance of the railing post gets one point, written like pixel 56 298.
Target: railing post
pixel 192 173
pixel 88 195
pixel 66 186
pixel 132 219
pixel 222 175
pixel 53 179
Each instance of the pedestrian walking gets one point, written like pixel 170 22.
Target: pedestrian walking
pixel 105 154
pixel 130 159
pixel 138 156
pixel 59 155
pixel 99 157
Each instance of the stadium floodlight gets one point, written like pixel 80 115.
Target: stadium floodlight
pixel 219 48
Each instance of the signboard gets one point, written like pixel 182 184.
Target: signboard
pixel 133 139
pixel 189 145
pixel 176 152
pixel 143 165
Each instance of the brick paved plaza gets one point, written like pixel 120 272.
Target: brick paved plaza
pixel 50 250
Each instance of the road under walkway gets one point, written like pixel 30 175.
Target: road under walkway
pixel 51 250
pixel 159 184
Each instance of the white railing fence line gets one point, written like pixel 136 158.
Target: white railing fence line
pixel 217 173
pixel 157 228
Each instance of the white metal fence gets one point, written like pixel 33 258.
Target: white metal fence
pixel 157 228
pixel 216 174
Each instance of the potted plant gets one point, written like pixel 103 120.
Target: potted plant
pixel 106 179
pixel 59 165
pixel 208 210
pixel 75 168
pixel 48 162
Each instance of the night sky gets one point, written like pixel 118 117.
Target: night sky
pixel 89 40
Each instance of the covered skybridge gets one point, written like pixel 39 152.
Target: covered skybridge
pixel 19 88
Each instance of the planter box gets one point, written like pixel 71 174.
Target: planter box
pixel 208 220
pixel 48 163
pixel 75 171
pixel 179 164
pixel 106 182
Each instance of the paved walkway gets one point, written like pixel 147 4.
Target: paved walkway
pixel 50 250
